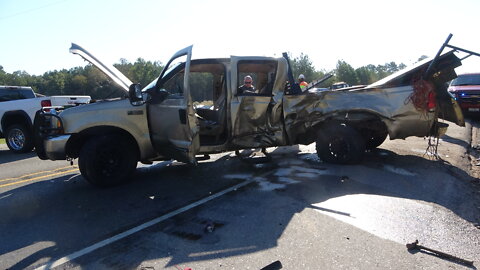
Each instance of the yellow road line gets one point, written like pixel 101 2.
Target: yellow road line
pixel 36 178
pixel 27 175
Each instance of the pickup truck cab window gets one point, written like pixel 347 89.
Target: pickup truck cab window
pixel 263 75
pixel 15 94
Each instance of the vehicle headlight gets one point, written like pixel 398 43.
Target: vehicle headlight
pixel 56 126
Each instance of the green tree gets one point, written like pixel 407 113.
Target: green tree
pixel 79 85
pixel 391 67
pixel 423 57
pixel 365 76
pixel 88 80
pixel 3 76
pixel 303 65
pixel 141 71
pixel 56 82
pixel 346 73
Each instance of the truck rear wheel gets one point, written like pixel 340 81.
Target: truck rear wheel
pixel 374 138
pixel 339 143
pixel 19 139
pixel 109 160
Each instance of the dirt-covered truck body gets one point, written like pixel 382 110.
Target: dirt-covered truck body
pixel 195 108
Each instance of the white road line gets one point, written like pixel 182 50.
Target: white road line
pixel 143 226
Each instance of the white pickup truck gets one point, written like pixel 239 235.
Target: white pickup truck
pixel 18 106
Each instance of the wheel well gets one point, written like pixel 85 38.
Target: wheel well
pixel 358 120
pixel 15 117
pixel 76 142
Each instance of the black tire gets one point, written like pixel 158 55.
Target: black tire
pixel 341 144
pixel 107 161
pixel 38 138
pixel 374 138
pixel 19 138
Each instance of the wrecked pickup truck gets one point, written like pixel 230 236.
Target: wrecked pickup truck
pixel 193 109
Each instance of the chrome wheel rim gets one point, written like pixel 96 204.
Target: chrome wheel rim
pixel 16 139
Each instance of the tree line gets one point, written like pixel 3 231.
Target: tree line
pixel 88 80
pixel 344 72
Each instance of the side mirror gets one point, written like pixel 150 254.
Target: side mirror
pixel 135 94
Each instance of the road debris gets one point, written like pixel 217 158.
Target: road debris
pixel 273 266
pixel 209 227
pixel 186 268
pixel 415 245
pixel 254 156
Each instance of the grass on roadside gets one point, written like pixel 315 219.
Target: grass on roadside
pixel 2 141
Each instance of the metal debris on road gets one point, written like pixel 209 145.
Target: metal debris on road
pixel 273 266
pixel 415 245
pixel 209 227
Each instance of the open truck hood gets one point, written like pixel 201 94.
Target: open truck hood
pixel 109 70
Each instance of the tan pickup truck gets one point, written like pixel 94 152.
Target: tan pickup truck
pixel 193 108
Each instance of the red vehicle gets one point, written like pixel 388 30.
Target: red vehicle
pixel 466 90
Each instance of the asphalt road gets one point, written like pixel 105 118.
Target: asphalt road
pixel 228 214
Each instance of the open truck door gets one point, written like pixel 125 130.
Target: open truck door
pixel 173 125
pixel 256 116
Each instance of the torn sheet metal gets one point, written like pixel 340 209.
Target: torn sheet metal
pixel 389 99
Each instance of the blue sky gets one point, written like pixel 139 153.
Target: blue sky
pixel 36 35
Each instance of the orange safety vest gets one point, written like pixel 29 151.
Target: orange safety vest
pixel 303 84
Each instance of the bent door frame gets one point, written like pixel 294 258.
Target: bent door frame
pixel 173 126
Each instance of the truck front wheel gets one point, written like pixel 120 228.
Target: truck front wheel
pixel 19 139
pixel 108 160
pixel 339 143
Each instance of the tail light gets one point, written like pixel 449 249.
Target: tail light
pixel 46 103
pixel 431 102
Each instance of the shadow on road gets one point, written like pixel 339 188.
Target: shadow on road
pixel 73 215
pixel 7 156
pixel 455 141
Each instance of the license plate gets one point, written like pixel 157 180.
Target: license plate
pixel 474 109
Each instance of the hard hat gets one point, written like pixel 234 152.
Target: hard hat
pixel 301 76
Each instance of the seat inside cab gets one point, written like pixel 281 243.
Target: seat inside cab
pixel 208 91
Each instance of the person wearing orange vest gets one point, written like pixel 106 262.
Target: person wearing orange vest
pixel 301 81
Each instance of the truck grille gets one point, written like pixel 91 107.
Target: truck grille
pixel 469 97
